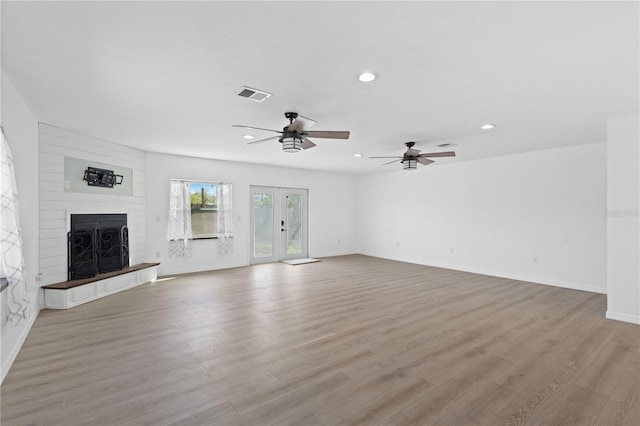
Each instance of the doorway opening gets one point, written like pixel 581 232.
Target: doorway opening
pixel 279 224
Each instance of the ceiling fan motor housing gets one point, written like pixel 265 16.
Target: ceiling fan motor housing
pixel 291 116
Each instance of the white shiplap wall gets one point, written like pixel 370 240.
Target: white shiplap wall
pixel 55 204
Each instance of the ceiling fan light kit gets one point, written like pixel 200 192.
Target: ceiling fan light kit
pixel 290 145
pixel 410 164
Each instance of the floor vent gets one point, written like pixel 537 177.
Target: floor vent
pixel 254 94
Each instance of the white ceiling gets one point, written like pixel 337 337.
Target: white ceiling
pixel 163 76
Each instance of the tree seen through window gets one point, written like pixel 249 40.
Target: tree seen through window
pixel 204 209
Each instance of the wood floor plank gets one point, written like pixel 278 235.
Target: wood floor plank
pixel 202 413
pixel 383 407
pixel 358 393
pixel 579 406
pixel 479 407
pixel 536 401
pixel 623 406
pixel 293 404
pixel 244 401
pixel 300 418
pixel 444 398
pixel 349 340
pixel 607 369
pixel 223 414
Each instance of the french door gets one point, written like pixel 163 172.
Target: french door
pixel 279 224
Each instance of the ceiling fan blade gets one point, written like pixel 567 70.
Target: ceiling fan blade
pixel 328 134
pixel 438 154
pixel 387 157
pixel 255 128
pixel 390 162
pixel 425 161
pixel 301 123
pixel 412 152
pixel 263 140
pixel 306 143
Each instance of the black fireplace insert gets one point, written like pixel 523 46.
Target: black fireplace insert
pixel 97 243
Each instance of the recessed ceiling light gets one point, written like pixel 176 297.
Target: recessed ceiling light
pixel 358 155
pixel 487 126
pixel 366 77
pixel 248 136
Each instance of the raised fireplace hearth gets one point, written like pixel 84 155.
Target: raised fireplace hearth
pixel 97 243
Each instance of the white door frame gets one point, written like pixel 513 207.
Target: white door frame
pixel 287 230
pixel 279 228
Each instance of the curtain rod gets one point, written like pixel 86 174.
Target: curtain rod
pixel 198 181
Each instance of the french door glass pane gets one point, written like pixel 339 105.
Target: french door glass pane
pixel 294 224
pixel 263 225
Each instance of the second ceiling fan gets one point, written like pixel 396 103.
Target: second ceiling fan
pixel 412 157
pixel 294 136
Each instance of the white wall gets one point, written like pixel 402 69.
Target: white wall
pixel 21 130
pixel 623 238
pixel 332 209
pixel 495 216
pixel 56 204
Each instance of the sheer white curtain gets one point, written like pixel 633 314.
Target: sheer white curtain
pixel 11 241
pixel 179 232
pixel 225 218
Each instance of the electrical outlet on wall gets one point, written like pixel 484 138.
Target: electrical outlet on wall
pixel 536 259
pixel 157 254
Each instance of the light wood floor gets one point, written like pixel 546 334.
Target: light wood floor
pixel 349 340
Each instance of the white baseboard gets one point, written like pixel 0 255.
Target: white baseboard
pixel 524 278
pixel 16 349
pixel 163 272
pixel 554 283
pixel 633 319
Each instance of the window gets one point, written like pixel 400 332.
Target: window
pixel 204 209
pixel 199 210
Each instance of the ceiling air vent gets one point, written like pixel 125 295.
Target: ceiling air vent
pixel 254 94
pixel 446 145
